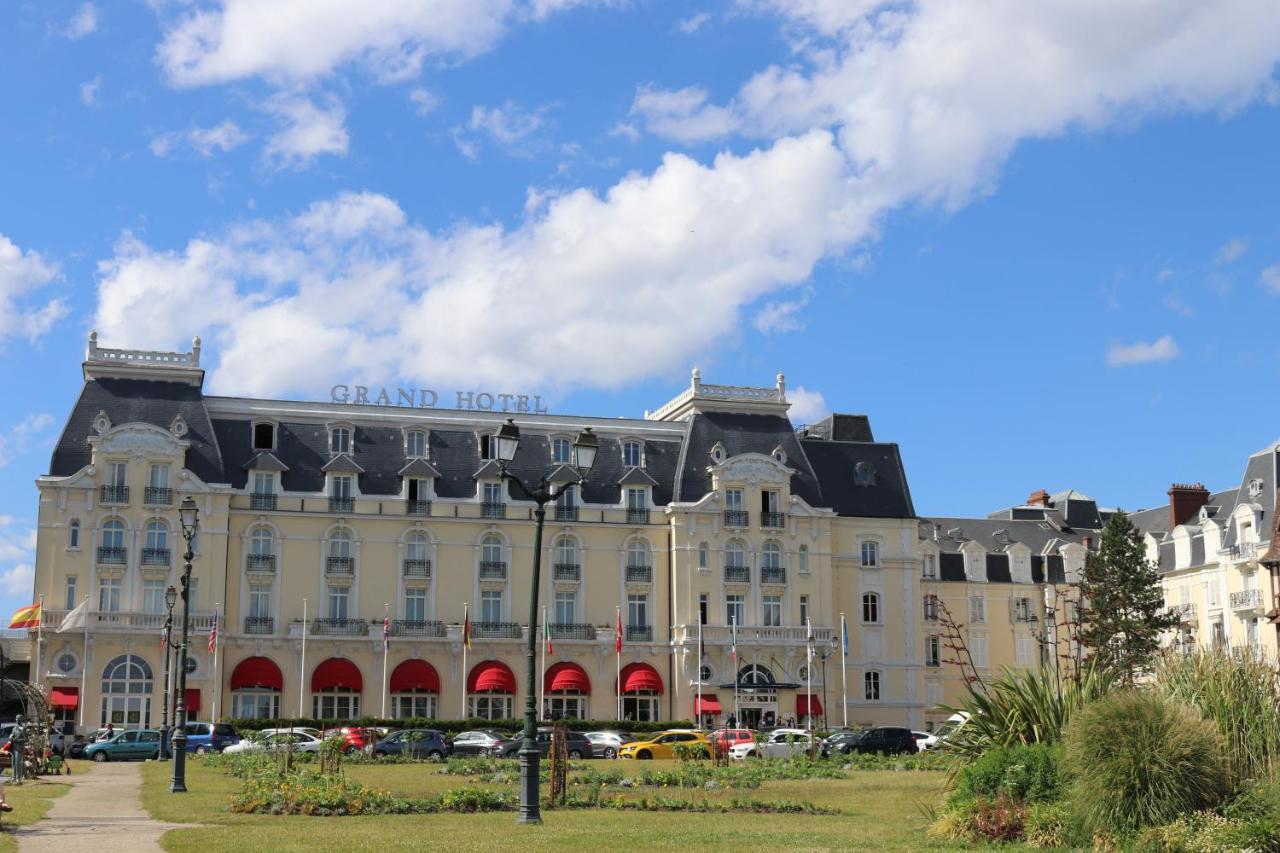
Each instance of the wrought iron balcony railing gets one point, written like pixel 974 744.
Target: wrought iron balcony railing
pixel 417 568
pixel 340 565
pixel 493 570
pixel 640 573
pixel 262 500
pixel 108 556
pixel 261 563
pixel 773 574
pixel 496 630
pixel 566 572
pixel 493 509
pixel 640 633
pixel 737 574
pixel 342 504
pixel 157 496
pixel 259 625
pixel 572 631
pixel 341 627
pixel 637 516
pixel 418 628
pixel 736 518
pixel 1246 599
pixel 773 519
pixel 417 507
pixel 114 494
pixel 155 556
pixel 566 513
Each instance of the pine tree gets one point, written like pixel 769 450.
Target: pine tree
pixel 1122 611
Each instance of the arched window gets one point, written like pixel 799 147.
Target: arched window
pixel 735 554
pixel 416 546
pixel 156 550
pixel 871 686
pixel 755 675
pixel 771 556
pixel 261 543
pixel 566 558
pixel 802 559
pixel 340 545
pixel 638 554
pixel 561 450
pixel 126 692
pixel 113 534
pixel 870 555
pixel 491 549
pixel 74 541
pixel 870 608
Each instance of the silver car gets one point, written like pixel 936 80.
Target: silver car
pixel 606 743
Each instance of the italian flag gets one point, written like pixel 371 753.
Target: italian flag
pixel 546 632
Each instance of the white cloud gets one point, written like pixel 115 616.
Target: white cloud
pixel 82 23
pixel 21 275
pixel 683 114
pixel 22 437
pixel 308 130
pixel 204 141
pixel 1270 278
pixel 807 406
pixel 1231 251
pixel 885 105
pixel 1175 303
pixel 1124 355
pixel 510 126
pixel 17 552
pixel 776 317
pixel 18 579
pixel 423 101
pixel 291 41
pixel 693 23
pixel 90 90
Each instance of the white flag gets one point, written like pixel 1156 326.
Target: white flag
pixel 76 618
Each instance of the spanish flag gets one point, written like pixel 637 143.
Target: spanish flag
pixel 26 617
pixel 466 627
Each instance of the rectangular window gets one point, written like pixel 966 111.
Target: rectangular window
pixel 117 475
pixel 978 648
pixel 638 609
pixel 977 608
pixel 770 501
pixel 870 555
pixel 1184 593
pixel 339 602
pixel 264 436
pixel 264 483
pixel 417 489
pixel 415 443
pixel 734 608
pixel 493 493
pixel 568 498
pixel 561 450
pixel 259 601
pixel 804 610
pixel 734 500
pixel 109 595
pixel 158 477
pixel 71 593
pixel 340 487
pixel 1025 651
pixel 153 595
pixel 702 607
pixel 931 608
pixel 488 447
pixel 491 605
pixel 1213 593
pixel 929 570
pixel 637 499
pixel 933 650
pixel 415 605
pixel 772 610
pixel 631 454
pixel 566 607
pixel 341 440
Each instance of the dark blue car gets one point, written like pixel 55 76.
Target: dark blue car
pixel 210 737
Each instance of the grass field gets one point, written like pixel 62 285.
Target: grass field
pixel 31 801
pixel 879 810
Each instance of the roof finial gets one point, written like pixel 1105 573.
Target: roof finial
pixel 91 352
pixel 782 386
pixel 697 379
pixel 195 351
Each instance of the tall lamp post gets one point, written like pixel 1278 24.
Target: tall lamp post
pixel 170 599
pixel 190 516
pixel 584 455
pixel 834 646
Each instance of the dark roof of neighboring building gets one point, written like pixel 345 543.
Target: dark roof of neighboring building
pixel 887 495
pixel 951 567
pixel 985 531
pixel 998 569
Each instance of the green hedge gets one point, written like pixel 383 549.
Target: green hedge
pixel 455 726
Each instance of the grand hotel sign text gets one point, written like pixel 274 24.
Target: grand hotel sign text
pixel 425 398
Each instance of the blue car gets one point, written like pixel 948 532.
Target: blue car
pixel 210 737
pixel 135 743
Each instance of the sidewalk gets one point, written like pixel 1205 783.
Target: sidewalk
pixel 102 812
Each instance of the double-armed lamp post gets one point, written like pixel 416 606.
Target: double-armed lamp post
pixel 190 516
pixel 584 456
pixel 170 599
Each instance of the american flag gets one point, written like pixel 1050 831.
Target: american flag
pixel 213 633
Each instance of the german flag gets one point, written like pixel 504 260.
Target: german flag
pixel 26 617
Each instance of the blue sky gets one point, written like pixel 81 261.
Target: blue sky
pixel 1037 243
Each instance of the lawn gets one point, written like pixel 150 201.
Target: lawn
pixel 879 810
pixel 31 801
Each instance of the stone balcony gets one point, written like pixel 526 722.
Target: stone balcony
pixel 756 635
pixel 1247 601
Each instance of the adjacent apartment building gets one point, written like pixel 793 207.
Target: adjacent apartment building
pixel 712 529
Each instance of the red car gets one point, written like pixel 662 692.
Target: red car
pixel 355 737
pixel 723 739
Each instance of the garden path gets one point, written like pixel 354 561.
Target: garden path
pixel 102 812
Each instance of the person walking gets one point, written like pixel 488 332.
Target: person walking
pixel 17 747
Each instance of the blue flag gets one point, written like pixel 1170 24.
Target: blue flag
pixel 844 635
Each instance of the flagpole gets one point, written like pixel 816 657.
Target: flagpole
pixel 733 655
pixel 844 665
pixel 617 647
pixel 386 645
pixel 39 638
pixel 84 663
pixel 217 685
pixel 542 678
pixel 808 679
pixel 697 711
pixel 466 641
pixel 302 676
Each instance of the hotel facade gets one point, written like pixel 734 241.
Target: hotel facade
pixel 711 519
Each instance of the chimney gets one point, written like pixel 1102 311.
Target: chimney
pixel 1040 498
pixel 1185 501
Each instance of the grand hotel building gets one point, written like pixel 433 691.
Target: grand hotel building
pixel 319 519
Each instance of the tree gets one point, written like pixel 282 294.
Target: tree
pixel 1122 612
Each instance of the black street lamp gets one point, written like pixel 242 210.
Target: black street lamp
pixel 190 516
pixel 170 598
pixel 584 455
pixel 826 724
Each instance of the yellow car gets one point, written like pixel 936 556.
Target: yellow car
pixel 663 744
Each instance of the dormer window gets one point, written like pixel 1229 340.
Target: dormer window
pixel 561 450
pixel 779 455
pixel 864 474
pixel 718 454
pixel 415 444
pixel 340 439
pixel 264 436
pixel 1255 487
pixel 632 454
pixel 488 447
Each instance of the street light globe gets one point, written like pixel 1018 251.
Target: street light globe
pixel 170 597
pixel 189 513
pixel 508 440
pixel 585 447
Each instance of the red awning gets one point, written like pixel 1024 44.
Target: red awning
pixel 415 675
pixel 566 677
pixel 65 697
pixel 805 703
pixel 706 705
pixel 193 700
pixel 257 672
pixel 640 678
pixel 337 674
pixel 491 676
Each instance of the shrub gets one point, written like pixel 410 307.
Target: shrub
pixel 1138 760
pixel 1207 832
pixel 1024 772
pixel 1001 819
pixel 1046 825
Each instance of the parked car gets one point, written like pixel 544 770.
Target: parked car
pixel 887 740
pixel 725 739
pixel 782 743
pixel 300 741
pixel 663 744
pixel 951 725
pixel 135 743
pixel 479 742
pixel 840 742
pixel 415 743
pixel 315 733
pixel 78 746
pixel 606 744
pixel 576 746
pixel 925 740
pixel 210 737
pixel 356 738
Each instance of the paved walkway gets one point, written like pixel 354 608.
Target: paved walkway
pixel 102 812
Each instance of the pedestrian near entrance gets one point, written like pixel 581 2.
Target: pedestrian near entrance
pixel 17 747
